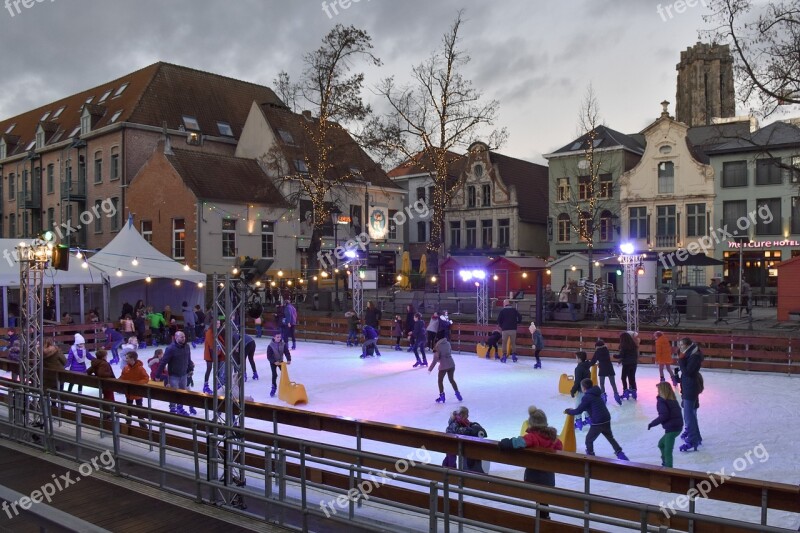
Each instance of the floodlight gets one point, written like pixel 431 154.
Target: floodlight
pixel 627 248
pixel 466 275
pixel 351 254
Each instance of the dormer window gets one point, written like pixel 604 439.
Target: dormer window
pixel 60 110
pixel 121 90
pixel 10 128
pixel 86 122
pixel 225 129
pixel 190 123
pixel 89 100
pixel 286 136
pixel 104 97
pixel 115 116
pixel 30 145
pixel 3 149
pixel 45 116
pixel 40 138
pixel 75 132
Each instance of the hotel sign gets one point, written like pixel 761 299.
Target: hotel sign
pixel 762 244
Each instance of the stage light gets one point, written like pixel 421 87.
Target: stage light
pixel 351 254
pixel 135 262
pixel 466 275
pixel 477 284
pixel 177 283
pixel 627 248
pixel 221 285
pixel 479 274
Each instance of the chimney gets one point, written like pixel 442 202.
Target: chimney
pixel 307 115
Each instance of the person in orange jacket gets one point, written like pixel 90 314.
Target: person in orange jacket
pixel 664 356
pixel 134 372
pixel 208 346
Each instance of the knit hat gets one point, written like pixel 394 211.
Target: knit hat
pixel 537 419
pixel 600 342
pixel 79 339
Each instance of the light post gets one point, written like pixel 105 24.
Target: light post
pixel 335 212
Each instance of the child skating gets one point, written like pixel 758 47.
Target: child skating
pixel 670 418
pixel 583 370
pixel 594 405
pixel 397 331
pixel 605 369
pixel 417 338
pixel 493 341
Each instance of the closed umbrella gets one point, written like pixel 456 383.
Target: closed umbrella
pixel 423 265
pixel 405 271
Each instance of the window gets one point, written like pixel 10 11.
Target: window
pixel 795 214
pixel 392 224
pixel 89 100
pixel 768 171
pixel 666 177
pixel 40 138
pixel 178 238
pixel 455 234
pixel 30 145
pixel 430 193
pixel 60 110
pixel 637 228
pixel 732 211
pixel 471 200
pixel 486 195
pixel 770 224
pixel 12 187
pixel 585 226
pixel 267 239
pixel 98 220
pixel 503 233
pixel 487 232
pixel 421 226
pixel 68 172
pixel 10 128
pixel 115 116
pixel 121 90
pixel 665 221
pixel 75 131
pixel 478 170
pixel 114 170
pixel 696 220
pixel 147 230
pixel 563 189
pixel 606 186
pixel 228 238
pixel 190 123
pixel 225 129
pixel 584 187
pixel 420 194
pixel 606 226
pixel 117 215
pixel 286 136
pixel 301 167
pixel 25 189
pixel 98 167
pixel 12 226
pixel 86 124
pixel 564 228
pixel 82 169
pixel 3 149
pixel 472 233
pixel 45 116
pixel 50 178
pixel 51 218
pixel 26 224
pixel 795 170
pixel 105 96
pixel 734 174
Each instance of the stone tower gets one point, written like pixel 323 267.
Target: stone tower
pixel 705 84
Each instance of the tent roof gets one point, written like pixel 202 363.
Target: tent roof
pixel 76 275
pixel 129 245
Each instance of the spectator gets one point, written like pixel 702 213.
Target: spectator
pixel 153 363
pixel 102 369
pixel 140 325
pixel 372 315
pixel 290 313
pixel 459 424
pixel 52 359
pixel 199 323
pixel 432 329
pixel 127 310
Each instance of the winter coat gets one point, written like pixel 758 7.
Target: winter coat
pixel 628 356
pixel 602 358
pixel 663 351
pixel 77 359
pixel 508 319
pixel 101 368
pixel 276 352
pixel 372 315
pixel 472 429
pixel 369 333
pixel 209 344
pixel 188 317
pixel 13 352
pixel 669 415
pixel 443 355
pixel 397 328
pixel 582 371
pixel 113 336
pixel 352 320
pixel 433 325
pixel 153 363
pixel 690 363
pixel 537 339
pixel 135 374
pixel 156 320
pixel 410 321
pixel 493 338
pixel 199 317
pixel 418 332
pixel 291 315
pixel 52 359
pixel 546 438
pixel 176 360
pixel 593 404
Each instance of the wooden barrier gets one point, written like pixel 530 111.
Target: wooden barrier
pixel 738 490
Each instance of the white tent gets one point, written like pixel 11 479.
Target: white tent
pixel 76 275
pixel 128 260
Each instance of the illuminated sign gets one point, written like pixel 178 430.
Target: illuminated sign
pixel 343 219
pixel 762 244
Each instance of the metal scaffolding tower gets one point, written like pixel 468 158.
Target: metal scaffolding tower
pixel 357 286
pixel 631 264
pixel 482 289
pixel 230 300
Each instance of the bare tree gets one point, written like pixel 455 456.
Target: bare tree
pixel 766 43
pixel 592 198
pixel 333 93
pixel 438 114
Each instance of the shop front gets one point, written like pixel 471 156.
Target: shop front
pixel 758 261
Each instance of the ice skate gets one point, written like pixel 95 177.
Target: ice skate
pixel 604 396
pixel 272 391
pixel 245 377
pixel 617 398
pixel 633 393
pixel 513 358
pixel 504 358
pixel 621 456
pixel 207 389
pixel 397 347
pixel 255 376
pixel 349 344
pixel 688 447
pixel 424 362
pixel 675 382
pixel 626 394
pixel 440 399
pixel 294 346
pixel 458 395
pixel 578 424
pixel 418 363
pixel 537 365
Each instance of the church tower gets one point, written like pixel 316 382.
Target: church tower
pixel 705 84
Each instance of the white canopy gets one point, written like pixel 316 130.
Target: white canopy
pixel 119 254
pixel 76 275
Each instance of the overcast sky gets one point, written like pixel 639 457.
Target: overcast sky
pixel 535 57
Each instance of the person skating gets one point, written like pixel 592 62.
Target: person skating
pixel 290 312
pixel 605 369
pixel 443 356
pixel 276 351
pixel 690 360
pixel 594 405
pixel 352 327
pixel 629 357
pixel 210 347
pixel 188 322
pixel 397 331
pixel 664 356
pixel 670 418
pixel 417 339
pixel 78 359
pixel 431 330
pixel 508 319
pixel 583 370
pixel 493 341
pixel 538 435
pixel 114 340
pixel 370 341
pixel 537 340
pixel 410 312
pixel 176 360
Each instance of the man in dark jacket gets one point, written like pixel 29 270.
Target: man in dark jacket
pixel 370 339
pixel 176 360
pixel 593 404
pixel 276 351
pixel 418 339
pixel 508 319
pixel 690 360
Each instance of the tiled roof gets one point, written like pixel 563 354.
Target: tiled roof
pixel 158 93
pixel 775 136
pixel 225 178
pixel 421 164
pixel 707 138
pixel 605 138
pixel 531 182
pixel 347 153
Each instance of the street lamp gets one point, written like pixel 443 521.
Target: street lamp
pixel 335 212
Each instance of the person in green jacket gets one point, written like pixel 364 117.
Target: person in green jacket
pixel 157 325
